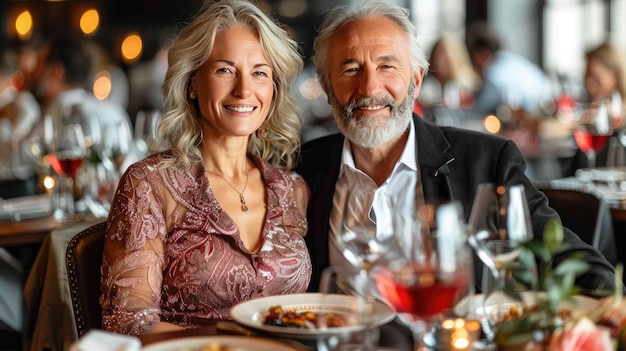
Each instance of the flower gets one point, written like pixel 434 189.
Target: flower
pixel 581 335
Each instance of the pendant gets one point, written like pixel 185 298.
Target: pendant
pixel 244 207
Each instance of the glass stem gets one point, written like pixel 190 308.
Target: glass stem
pixel 370 334
pixel 419 329
pixel 591 159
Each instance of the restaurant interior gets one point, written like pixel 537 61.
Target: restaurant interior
pixel 587 189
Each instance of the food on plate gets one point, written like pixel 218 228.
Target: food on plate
pixel 215 346
pixel 279 316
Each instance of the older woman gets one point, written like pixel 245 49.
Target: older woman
pixel 218 218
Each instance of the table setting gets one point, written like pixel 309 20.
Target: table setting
pixel 413 284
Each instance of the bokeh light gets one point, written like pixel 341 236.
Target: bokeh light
pixel 132 47
pixel 24 25
pixel 102 85
pixel 492 124
pixel 90 21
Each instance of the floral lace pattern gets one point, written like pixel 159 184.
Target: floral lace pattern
pixel 173 254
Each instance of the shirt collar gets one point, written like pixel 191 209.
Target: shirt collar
pixel 407 159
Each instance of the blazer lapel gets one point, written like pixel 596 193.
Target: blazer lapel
pixel 433 159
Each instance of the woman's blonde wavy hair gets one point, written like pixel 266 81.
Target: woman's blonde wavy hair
pixel 278 138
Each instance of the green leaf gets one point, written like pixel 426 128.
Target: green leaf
pixel 571 265
pixel 538 249
pixel 553 235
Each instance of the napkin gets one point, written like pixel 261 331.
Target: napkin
pixel 99 340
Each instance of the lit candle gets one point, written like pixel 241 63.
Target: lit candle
pixel 458 334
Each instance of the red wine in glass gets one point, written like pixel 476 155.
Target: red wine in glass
pixel 590 141
pixel 66 164
pixel 594 130
pixel 421 292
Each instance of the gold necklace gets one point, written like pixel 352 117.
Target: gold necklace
pixel 244 207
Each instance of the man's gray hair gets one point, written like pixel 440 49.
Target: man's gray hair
pixel 343 14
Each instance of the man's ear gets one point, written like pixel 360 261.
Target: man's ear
pixel 327 91
pixel 419 77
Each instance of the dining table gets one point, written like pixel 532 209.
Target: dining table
pixel 393 336
pixel 28 231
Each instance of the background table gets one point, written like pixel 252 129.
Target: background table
pixel 29 231
pixel 50 320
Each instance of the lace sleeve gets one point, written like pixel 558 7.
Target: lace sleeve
pixel 302 193
pixel 132 268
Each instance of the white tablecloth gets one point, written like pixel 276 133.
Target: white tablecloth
pixel 50 317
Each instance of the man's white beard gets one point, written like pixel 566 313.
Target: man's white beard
pixel 373 132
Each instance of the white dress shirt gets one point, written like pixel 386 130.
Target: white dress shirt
pixel 379 214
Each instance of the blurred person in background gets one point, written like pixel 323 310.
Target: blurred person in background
pixel 146 77
pixel 605 74
pixel 449 87
pixel 451 79
pixel 218 218
pixel 63 81
pixel 605 80
pixel 27 60
pixel 19 113
pixel 507 78
pixel 64 76
pixel 103 66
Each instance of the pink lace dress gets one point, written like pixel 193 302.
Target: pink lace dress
pixel 171 252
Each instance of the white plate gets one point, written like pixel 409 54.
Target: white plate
pixel 601 174
pixel 26 207
pixel 251 313
pixel 237 343
pixel 581 303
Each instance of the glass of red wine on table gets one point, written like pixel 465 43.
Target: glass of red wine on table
pixel 428 273
pixel 594 130
pixel 67 153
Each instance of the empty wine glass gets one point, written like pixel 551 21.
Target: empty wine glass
pixel 146 124
pixel 118 143
pixel 430 272
pixel 594 129
pixel 499 223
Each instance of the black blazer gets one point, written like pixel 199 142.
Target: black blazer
pixel 452 162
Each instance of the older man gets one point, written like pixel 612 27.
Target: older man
pixel 370 65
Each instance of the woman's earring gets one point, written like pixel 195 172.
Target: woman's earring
pixel 192 94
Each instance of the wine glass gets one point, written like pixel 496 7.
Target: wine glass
pixel 118 143
pixel 146 124
pixel 499 223
pixel 429 272
pixel 594 129
pixel 362 332
pixel 361 240
pixel 67 153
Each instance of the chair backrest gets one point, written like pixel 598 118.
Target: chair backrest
pixel 586 214
pixel 83 259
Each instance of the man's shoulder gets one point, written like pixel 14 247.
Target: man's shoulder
pixel 320 144
pixel 320 154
